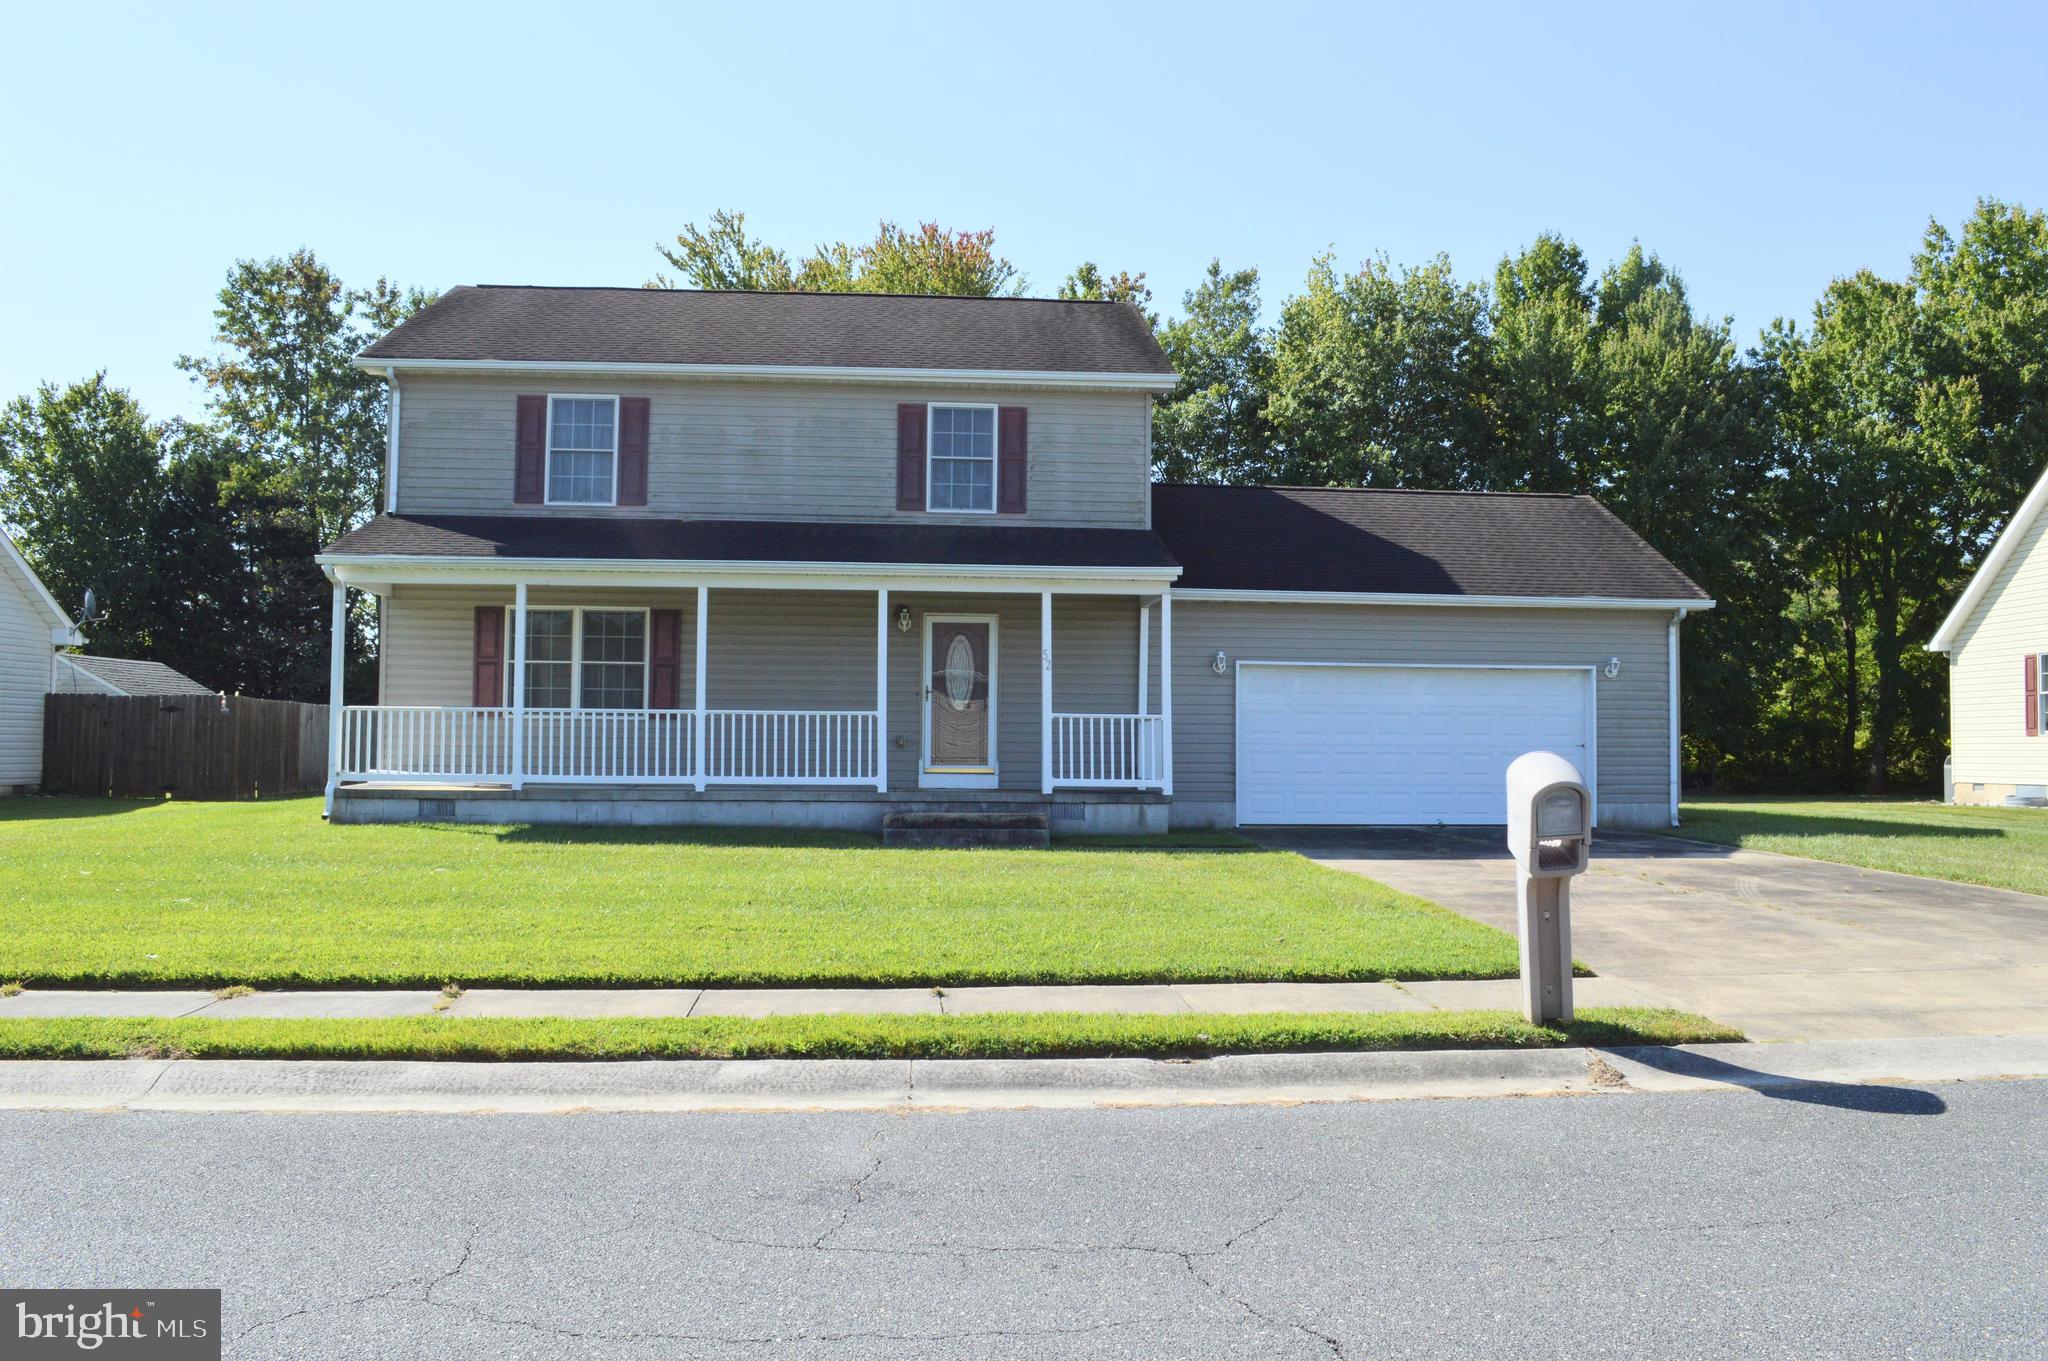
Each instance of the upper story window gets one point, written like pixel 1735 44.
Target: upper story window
pixel 961 473
pixel 583 451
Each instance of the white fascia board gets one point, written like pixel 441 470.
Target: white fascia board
pixel 1994 562
pixel 363 571
pixel 1134 382
pixel 1196 595
pixel 39 592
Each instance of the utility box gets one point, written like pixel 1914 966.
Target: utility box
pixel 1550 834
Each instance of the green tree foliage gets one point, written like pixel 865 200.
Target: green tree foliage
pixel 283 388
pixel 1089 284
pixel 927 260
pixel 1377 378
pixel 1212 427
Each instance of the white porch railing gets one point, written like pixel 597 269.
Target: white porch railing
pixel 789 746
pixel 608 746
pixel 1108 751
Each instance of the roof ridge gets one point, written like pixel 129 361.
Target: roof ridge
pixel 1382 491
pixel 797 293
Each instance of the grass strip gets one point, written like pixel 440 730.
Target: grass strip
pixel 1011 1035
pixel 1969 844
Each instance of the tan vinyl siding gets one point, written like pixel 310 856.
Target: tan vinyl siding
pixel 1634 734
pixel 25 662
pixel 769 451
pixel 1987 728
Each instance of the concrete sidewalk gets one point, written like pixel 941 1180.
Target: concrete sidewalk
pixel 1864 1075
pixel 609 1003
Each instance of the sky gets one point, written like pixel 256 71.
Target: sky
pixel 1761 150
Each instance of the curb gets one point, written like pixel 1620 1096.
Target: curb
pixel 902 1085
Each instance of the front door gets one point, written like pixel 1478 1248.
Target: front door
pixel 959 701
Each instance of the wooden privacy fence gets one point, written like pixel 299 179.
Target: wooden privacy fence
pixel 187 746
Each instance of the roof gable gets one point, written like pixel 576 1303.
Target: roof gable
pixel 839 333
pixel 127 676
pixel 12 563
pixel 1995 562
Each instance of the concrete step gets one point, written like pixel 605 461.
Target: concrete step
pixel 958 828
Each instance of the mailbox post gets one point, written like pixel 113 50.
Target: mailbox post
pixel 1550 830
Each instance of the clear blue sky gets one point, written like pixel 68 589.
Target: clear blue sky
pixel 1762 150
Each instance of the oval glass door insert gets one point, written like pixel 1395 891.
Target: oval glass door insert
pixel 960 672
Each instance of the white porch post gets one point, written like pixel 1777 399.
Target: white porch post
pixel 1144 658
pixel 697 719
pixel 519 686
pixel 882 690
pixel 337 667
pixel 1045 692
pixel 1166 692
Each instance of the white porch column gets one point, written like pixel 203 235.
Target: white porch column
pixel 1166 692
pixel 519 686
pixel 337 670
pixel 697 719
pixel 882 690
pixel 1045 692
pixel 1144 658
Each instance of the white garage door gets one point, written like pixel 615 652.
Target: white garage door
pixel 1399 744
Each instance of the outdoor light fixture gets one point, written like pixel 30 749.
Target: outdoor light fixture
pixel 1612 669
pixel 1219 663
pixel 903 620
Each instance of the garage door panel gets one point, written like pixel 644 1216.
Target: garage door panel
pixel 1365 744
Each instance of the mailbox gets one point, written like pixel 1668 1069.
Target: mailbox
pixel 1550 815
pixel 1550 834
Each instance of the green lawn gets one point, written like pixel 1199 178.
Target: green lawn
pixel 1060 1035
pixel 2002 847
pixel 110 893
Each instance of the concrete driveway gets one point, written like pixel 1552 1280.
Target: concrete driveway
pixel 1782 947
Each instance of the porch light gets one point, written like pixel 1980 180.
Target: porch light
pixel 903 620
pixel 1612 669
pixel 1219 663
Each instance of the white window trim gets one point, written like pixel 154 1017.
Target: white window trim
pixel 2041 694
pixel 547 467
pixel 646 613
pixel 995 457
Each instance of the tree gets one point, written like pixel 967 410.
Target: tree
pixel 1212 426
pixel 1088 284
pixel 1377 378
pixel 1542 391
pixel 930 260
pixel 723 256
pixel 285 391
pixel 80 484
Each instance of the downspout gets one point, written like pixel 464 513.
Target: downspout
pixel 1671 667
pixel 391 441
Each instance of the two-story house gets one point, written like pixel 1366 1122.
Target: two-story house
pixel 660 556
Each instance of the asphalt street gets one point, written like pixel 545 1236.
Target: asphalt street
pixel 1829 1221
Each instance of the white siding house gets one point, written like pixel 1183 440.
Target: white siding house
pixel 1996 639
pixel 32 627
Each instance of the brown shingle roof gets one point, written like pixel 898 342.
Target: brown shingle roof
pixel 549 536
pixel 807 330
pixel 133 677
pixel 1408 543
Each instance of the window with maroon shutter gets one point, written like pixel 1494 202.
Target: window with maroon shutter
pixel 1013 461
pixel 487 690
pixel 633 451
pixel 2030 686
pixel 529 478
pixel 664 659
pixel 910 456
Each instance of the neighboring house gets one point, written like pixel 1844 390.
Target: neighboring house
pixel 669 556
pixel 1996 639
pixel 78 674
pixel 32 627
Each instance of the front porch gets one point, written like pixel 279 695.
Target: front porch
pixel 771 703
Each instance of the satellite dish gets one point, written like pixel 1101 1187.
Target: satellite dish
pixel 90 603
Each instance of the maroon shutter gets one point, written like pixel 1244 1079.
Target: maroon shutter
pixel 529 479
pixel 632 451
pixel 1012 458
pixel 489 686
pixel 2030 684
pixel 910 456
pixel 664 658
